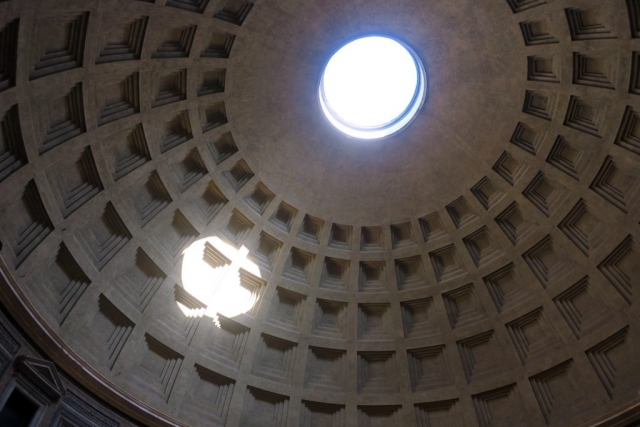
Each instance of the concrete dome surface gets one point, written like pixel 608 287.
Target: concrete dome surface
pixel 478 268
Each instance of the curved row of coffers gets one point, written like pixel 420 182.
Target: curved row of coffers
pixel 504 306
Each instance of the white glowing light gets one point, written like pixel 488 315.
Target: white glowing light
pixel 372 87
pixel 219 288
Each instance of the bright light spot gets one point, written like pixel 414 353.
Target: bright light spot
pixel 220 286
pixel 372 87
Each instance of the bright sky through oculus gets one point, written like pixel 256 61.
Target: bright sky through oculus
pixel 372 87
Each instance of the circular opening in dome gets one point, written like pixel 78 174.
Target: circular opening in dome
pixel 372 87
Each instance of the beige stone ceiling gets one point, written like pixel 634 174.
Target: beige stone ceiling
pixel 480 268
pixel 475 88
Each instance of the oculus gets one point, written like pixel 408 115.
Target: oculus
pixel 372 87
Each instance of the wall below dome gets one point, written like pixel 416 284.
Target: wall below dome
pixel 58 401
pixel 511 301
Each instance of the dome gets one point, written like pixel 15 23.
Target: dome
pixel 187 238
